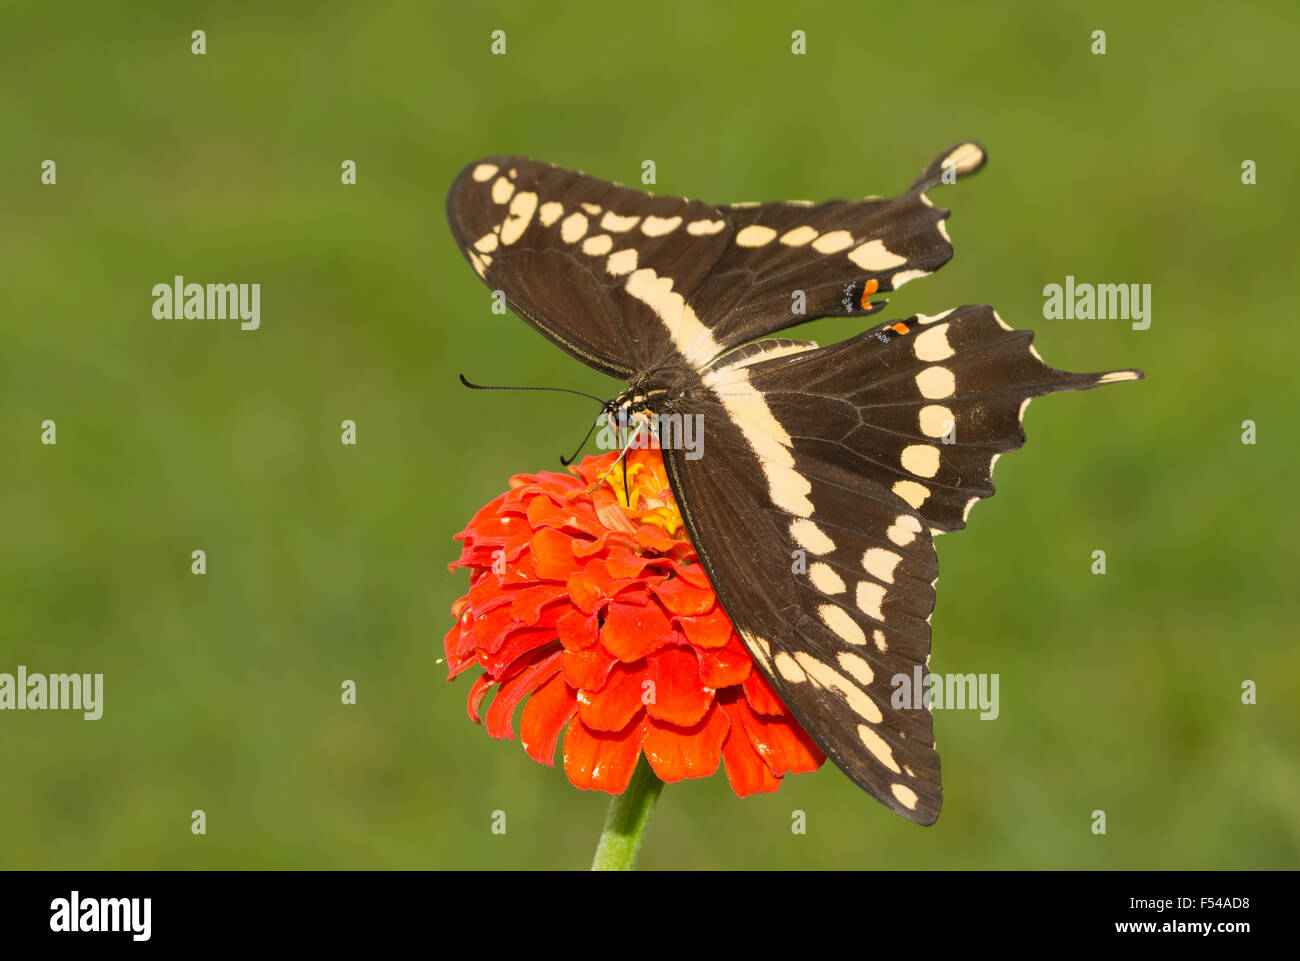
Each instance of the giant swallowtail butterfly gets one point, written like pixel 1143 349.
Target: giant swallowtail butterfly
pixel 855 454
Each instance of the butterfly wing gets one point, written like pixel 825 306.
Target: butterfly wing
pixel 791 262
pixel 924 407
pixel 601 270
pixel 627 281
pixel 833 463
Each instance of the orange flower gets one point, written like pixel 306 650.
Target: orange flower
pixel 598 613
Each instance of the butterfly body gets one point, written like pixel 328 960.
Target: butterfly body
pixel 650 393
pixel 825 472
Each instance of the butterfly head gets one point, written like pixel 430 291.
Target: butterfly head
pixel 629 409
pixel 647 395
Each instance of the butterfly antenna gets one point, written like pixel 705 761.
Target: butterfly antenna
pixel 626 448
pixel 568 461
pixel 561 390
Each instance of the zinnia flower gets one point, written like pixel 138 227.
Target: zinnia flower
pixel 597 615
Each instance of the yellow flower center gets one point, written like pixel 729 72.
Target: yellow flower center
pixel 647 495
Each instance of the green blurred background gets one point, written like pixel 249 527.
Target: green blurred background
pixel 327 562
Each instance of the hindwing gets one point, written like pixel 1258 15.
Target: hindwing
pixel 824 474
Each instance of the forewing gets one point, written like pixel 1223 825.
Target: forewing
pixel 627 281
pixel 602 270
pixel 791 262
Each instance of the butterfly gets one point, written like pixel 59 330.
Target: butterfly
pixel 825 472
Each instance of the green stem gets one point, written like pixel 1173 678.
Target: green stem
pixel 628 817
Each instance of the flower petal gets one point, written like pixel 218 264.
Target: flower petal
pixel 601 761
pixel 478 690
pixel 620 699
pixel 526 604
pixel 586 548
pixel 486 593
pixel 552 556
pixel 500 713
pixel 517 645
pixel 491 629
pixel 760 695
pixel 551 707
pixel 724 666
pixel 693 574
pixel 676 753
pixel 592 586
pixel 544 512
pixel 516 545
pixel 708 630
pixel 622 562
pixel 613 515
pixel 679 696
pixel 491 525
pixel 586 595
pixel 780 742
pixel 460 650
pixel 577 630
pixel 653 538
pixel 631 631
pixel 460 639
pixel 684 598
pixel 519 572
pixel 589 669
pixel 746 771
